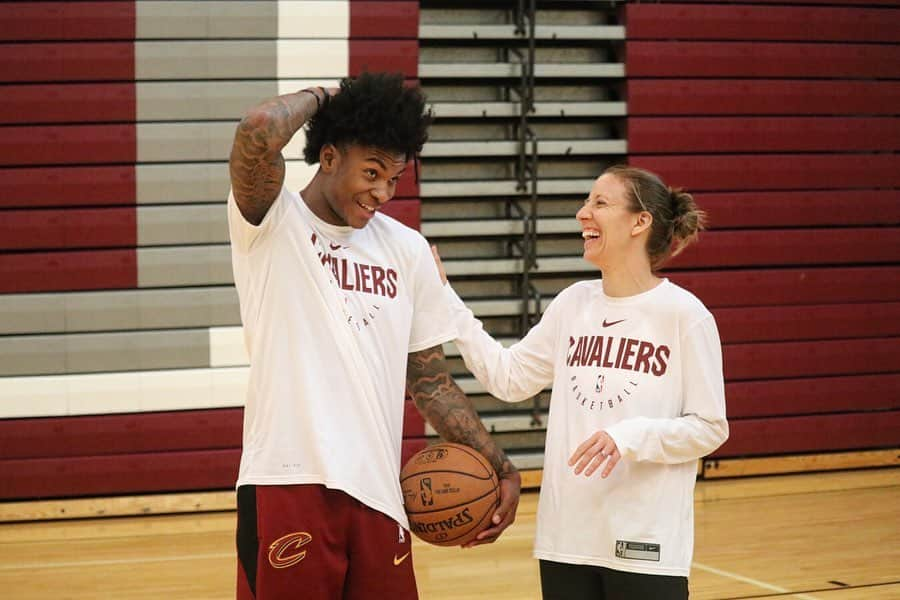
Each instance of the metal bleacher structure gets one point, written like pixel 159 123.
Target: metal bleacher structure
pixel 757 142
pixel 529 108
pixel 121 357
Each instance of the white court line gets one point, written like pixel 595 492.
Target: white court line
pixel 123 561
pixel 756 582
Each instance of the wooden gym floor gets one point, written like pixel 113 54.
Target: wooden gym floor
pixel 817 536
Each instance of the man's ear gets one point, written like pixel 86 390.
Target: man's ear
pixel 642 223
pixel 329 158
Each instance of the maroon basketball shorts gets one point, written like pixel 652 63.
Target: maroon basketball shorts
pixel 311 542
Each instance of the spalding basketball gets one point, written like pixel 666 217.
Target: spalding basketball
pixel 450 493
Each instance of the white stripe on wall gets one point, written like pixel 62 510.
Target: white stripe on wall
pixel 314 19
pixel 303 62
pixel 226 347
pixel 297 174
pixel 302 59
pixel 108 393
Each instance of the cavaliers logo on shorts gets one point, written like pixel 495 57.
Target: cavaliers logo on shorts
pixel 287 551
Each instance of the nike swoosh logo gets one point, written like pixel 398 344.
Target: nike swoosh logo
pixel 397 561
pixel 611 323
pixel 335 246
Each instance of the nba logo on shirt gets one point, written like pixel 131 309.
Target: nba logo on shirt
pixel 601 380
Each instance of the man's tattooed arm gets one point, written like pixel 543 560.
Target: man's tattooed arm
pixel 446 407
pixel 256 163
pixel 452 415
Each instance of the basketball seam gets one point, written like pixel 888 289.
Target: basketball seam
pixel 482 460
pixel 469 501
pixel 476 477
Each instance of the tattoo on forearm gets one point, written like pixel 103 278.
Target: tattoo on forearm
pixel 446 407
pixel 256 164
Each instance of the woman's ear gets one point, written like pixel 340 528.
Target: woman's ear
pixel 642 223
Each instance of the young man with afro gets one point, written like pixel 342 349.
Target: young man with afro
pixel 343 310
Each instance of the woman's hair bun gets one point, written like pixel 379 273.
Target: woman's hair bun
pixel 687 219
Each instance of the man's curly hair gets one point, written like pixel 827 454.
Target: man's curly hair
pixel 376 110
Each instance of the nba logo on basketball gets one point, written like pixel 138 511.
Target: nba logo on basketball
pixel 426 494
pixel 600 382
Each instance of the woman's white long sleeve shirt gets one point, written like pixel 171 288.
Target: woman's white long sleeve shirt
pixel 647 369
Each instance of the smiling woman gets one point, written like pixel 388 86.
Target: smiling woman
pixel 632 223
pixel 638 396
